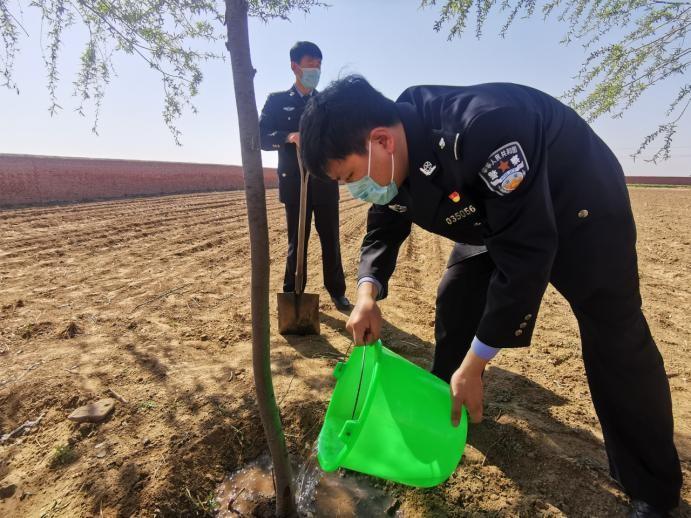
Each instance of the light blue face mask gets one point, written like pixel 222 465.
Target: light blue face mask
pixel 310 77
pixel 368 190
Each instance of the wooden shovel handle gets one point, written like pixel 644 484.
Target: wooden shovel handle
pixel 300 269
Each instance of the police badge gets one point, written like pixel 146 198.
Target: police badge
pixel 427 168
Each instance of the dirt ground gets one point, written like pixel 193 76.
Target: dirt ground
pixel 149 298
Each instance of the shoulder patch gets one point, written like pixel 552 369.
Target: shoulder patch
pixel 505 169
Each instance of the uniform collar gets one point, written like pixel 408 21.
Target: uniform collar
pixel 294 92
pixel 422 159
pixel 423 167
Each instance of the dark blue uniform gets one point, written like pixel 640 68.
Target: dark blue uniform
pixel 511 168
pixel 281 116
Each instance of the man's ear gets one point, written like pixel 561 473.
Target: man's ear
pixel 385 137
pixel 295 68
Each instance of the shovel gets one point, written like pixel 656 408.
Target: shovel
pixel 298 313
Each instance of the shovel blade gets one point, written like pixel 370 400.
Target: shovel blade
pixel 298 314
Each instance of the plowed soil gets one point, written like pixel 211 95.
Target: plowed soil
pixel 150 298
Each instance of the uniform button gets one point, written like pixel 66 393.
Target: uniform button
pixel 518 332
pixel 289 119
pixel 583 213
pixel 284 175
pixel 523 325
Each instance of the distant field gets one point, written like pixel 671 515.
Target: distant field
pixel 658 180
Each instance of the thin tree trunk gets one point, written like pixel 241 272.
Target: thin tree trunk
pixel 243 79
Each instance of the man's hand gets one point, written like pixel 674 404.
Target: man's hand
pixel 365 321
pixel 293 138
pixel 466 388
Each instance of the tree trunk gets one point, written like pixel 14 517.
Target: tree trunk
pixel 243 80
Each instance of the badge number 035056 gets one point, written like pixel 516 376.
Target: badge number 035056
pixel 461 214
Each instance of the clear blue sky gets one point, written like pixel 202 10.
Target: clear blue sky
pixel 390 42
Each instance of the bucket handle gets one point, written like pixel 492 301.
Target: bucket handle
pixel 359 384
pixel 376 349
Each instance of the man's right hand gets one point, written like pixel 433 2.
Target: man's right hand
pixel 365 321
pixel 293 138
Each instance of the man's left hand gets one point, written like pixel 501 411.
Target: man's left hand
pixel 466 388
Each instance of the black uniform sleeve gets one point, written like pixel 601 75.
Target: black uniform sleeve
pixel 505 150
pixel 386 230
pixel 270 137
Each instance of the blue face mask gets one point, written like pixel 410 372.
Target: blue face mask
pixel 368 190
pixel 310 77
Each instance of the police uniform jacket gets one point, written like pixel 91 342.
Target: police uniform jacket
pixel 509 167
pixel 281 116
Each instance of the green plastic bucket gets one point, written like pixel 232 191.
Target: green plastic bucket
pixel 391 419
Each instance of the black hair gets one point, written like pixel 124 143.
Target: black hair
pixel 338 119
pixel 304 48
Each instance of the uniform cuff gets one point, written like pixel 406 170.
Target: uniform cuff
pixel 483 350
pixel 373 281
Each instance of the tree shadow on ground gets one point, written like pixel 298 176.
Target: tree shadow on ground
pixel 312 346
pixel 148 361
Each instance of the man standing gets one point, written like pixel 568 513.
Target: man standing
pixel 515 170
pixel 278 129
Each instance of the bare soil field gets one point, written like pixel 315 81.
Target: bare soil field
pixel 149 298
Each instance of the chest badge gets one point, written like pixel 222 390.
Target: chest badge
pixel 455 197
pixel 442 143
pixel 427 168
pixel 398 208
pixel 289 108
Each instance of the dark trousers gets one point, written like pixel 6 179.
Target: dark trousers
pixel 460 303
pixel 625 371
pixel 327 225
